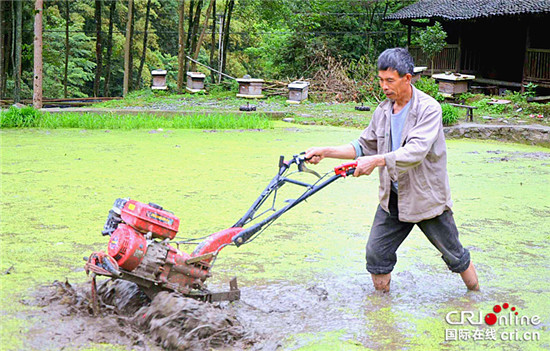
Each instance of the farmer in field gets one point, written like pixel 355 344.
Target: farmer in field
pixel 405 141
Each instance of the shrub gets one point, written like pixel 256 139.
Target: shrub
pixel 450 114
pixel 537 108
pixel 430 87
pixel 26 117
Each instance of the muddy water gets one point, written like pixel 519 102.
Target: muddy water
pixel 304 284
pixel 127 317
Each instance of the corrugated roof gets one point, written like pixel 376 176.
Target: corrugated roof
pixel 453 10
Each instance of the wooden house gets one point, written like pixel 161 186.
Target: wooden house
pixel 502 42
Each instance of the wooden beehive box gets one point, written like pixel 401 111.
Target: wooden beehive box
pixel 297 92
pixel 250 88
pixel 417 73
pixel 159 79
pixel 452 83
pixel 195 82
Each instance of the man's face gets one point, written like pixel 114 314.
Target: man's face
pixel 394 86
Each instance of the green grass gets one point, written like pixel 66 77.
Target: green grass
pixel 30 118
pixel 450 114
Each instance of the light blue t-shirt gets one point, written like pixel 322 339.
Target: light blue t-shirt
pixel 396 129
pixel 397 122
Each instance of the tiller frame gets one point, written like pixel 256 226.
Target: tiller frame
pixel 167 268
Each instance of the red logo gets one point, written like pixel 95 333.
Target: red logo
pixel 491 318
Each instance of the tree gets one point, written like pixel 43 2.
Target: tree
pixel 38 24
pixel 213 43
pixel 144 52
pixel 2 50
pixel 67 49
pixel 432 41
pixel 128 49
pixel 181 46
pixel 98 47
pixel 197 48
pixel 18 34
pixel 59 41
pixel 106 87
pixel 225 41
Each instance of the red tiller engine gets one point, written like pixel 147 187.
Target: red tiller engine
pixel 138 245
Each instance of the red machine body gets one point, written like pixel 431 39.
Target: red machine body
pixel 138 246
pixel 127 247
pixel 150 218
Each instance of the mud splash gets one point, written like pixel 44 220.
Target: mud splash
pixel 130 319
pixel 179 323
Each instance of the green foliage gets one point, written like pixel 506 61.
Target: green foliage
pixel 432 40
pixel 285 36
pixel 465 97
pixel 450 114
pixel 530 89
pixel 430 87
pixel 537 108
pixel 484 106
pixel 30 118
pixel 363 73
pixel 26 117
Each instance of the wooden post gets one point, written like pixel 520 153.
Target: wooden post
pixel 37 86
pixel 525 57
pixel 127 47
pixel 408 36
pixel 459 50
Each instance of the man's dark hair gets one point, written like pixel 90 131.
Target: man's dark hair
pixel 397 59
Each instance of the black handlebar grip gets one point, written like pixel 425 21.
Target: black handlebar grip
pixel 246 234
pixel 350 171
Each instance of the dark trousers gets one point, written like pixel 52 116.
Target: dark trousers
pixel 388 232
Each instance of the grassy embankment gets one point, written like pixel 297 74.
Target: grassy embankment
pixel 29 118
pixel 519 111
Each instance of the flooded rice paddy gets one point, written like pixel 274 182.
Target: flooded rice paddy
pixel 303 281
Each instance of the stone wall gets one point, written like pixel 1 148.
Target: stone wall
pixel 525 134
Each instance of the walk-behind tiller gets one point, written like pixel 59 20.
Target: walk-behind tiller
pixel 139 247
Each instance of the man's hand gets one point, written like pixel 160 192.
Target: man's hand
pixel 366 164
pixel 315 154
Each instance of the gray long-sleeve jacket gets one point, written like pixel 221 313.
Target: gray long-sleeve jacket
pixel 419 165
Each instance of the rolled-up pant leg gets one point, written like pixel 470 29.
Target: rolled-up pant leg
pixel 386 234
pixel 443 234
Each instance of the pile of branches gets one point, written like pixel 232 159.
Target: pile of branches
pixel 277 87
pixel 331 82
pixel 335 80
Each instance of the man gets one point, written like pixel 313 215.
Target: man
pixel 405 141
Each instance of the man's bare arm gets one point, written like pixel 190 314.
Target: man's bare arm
pixel 344 152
